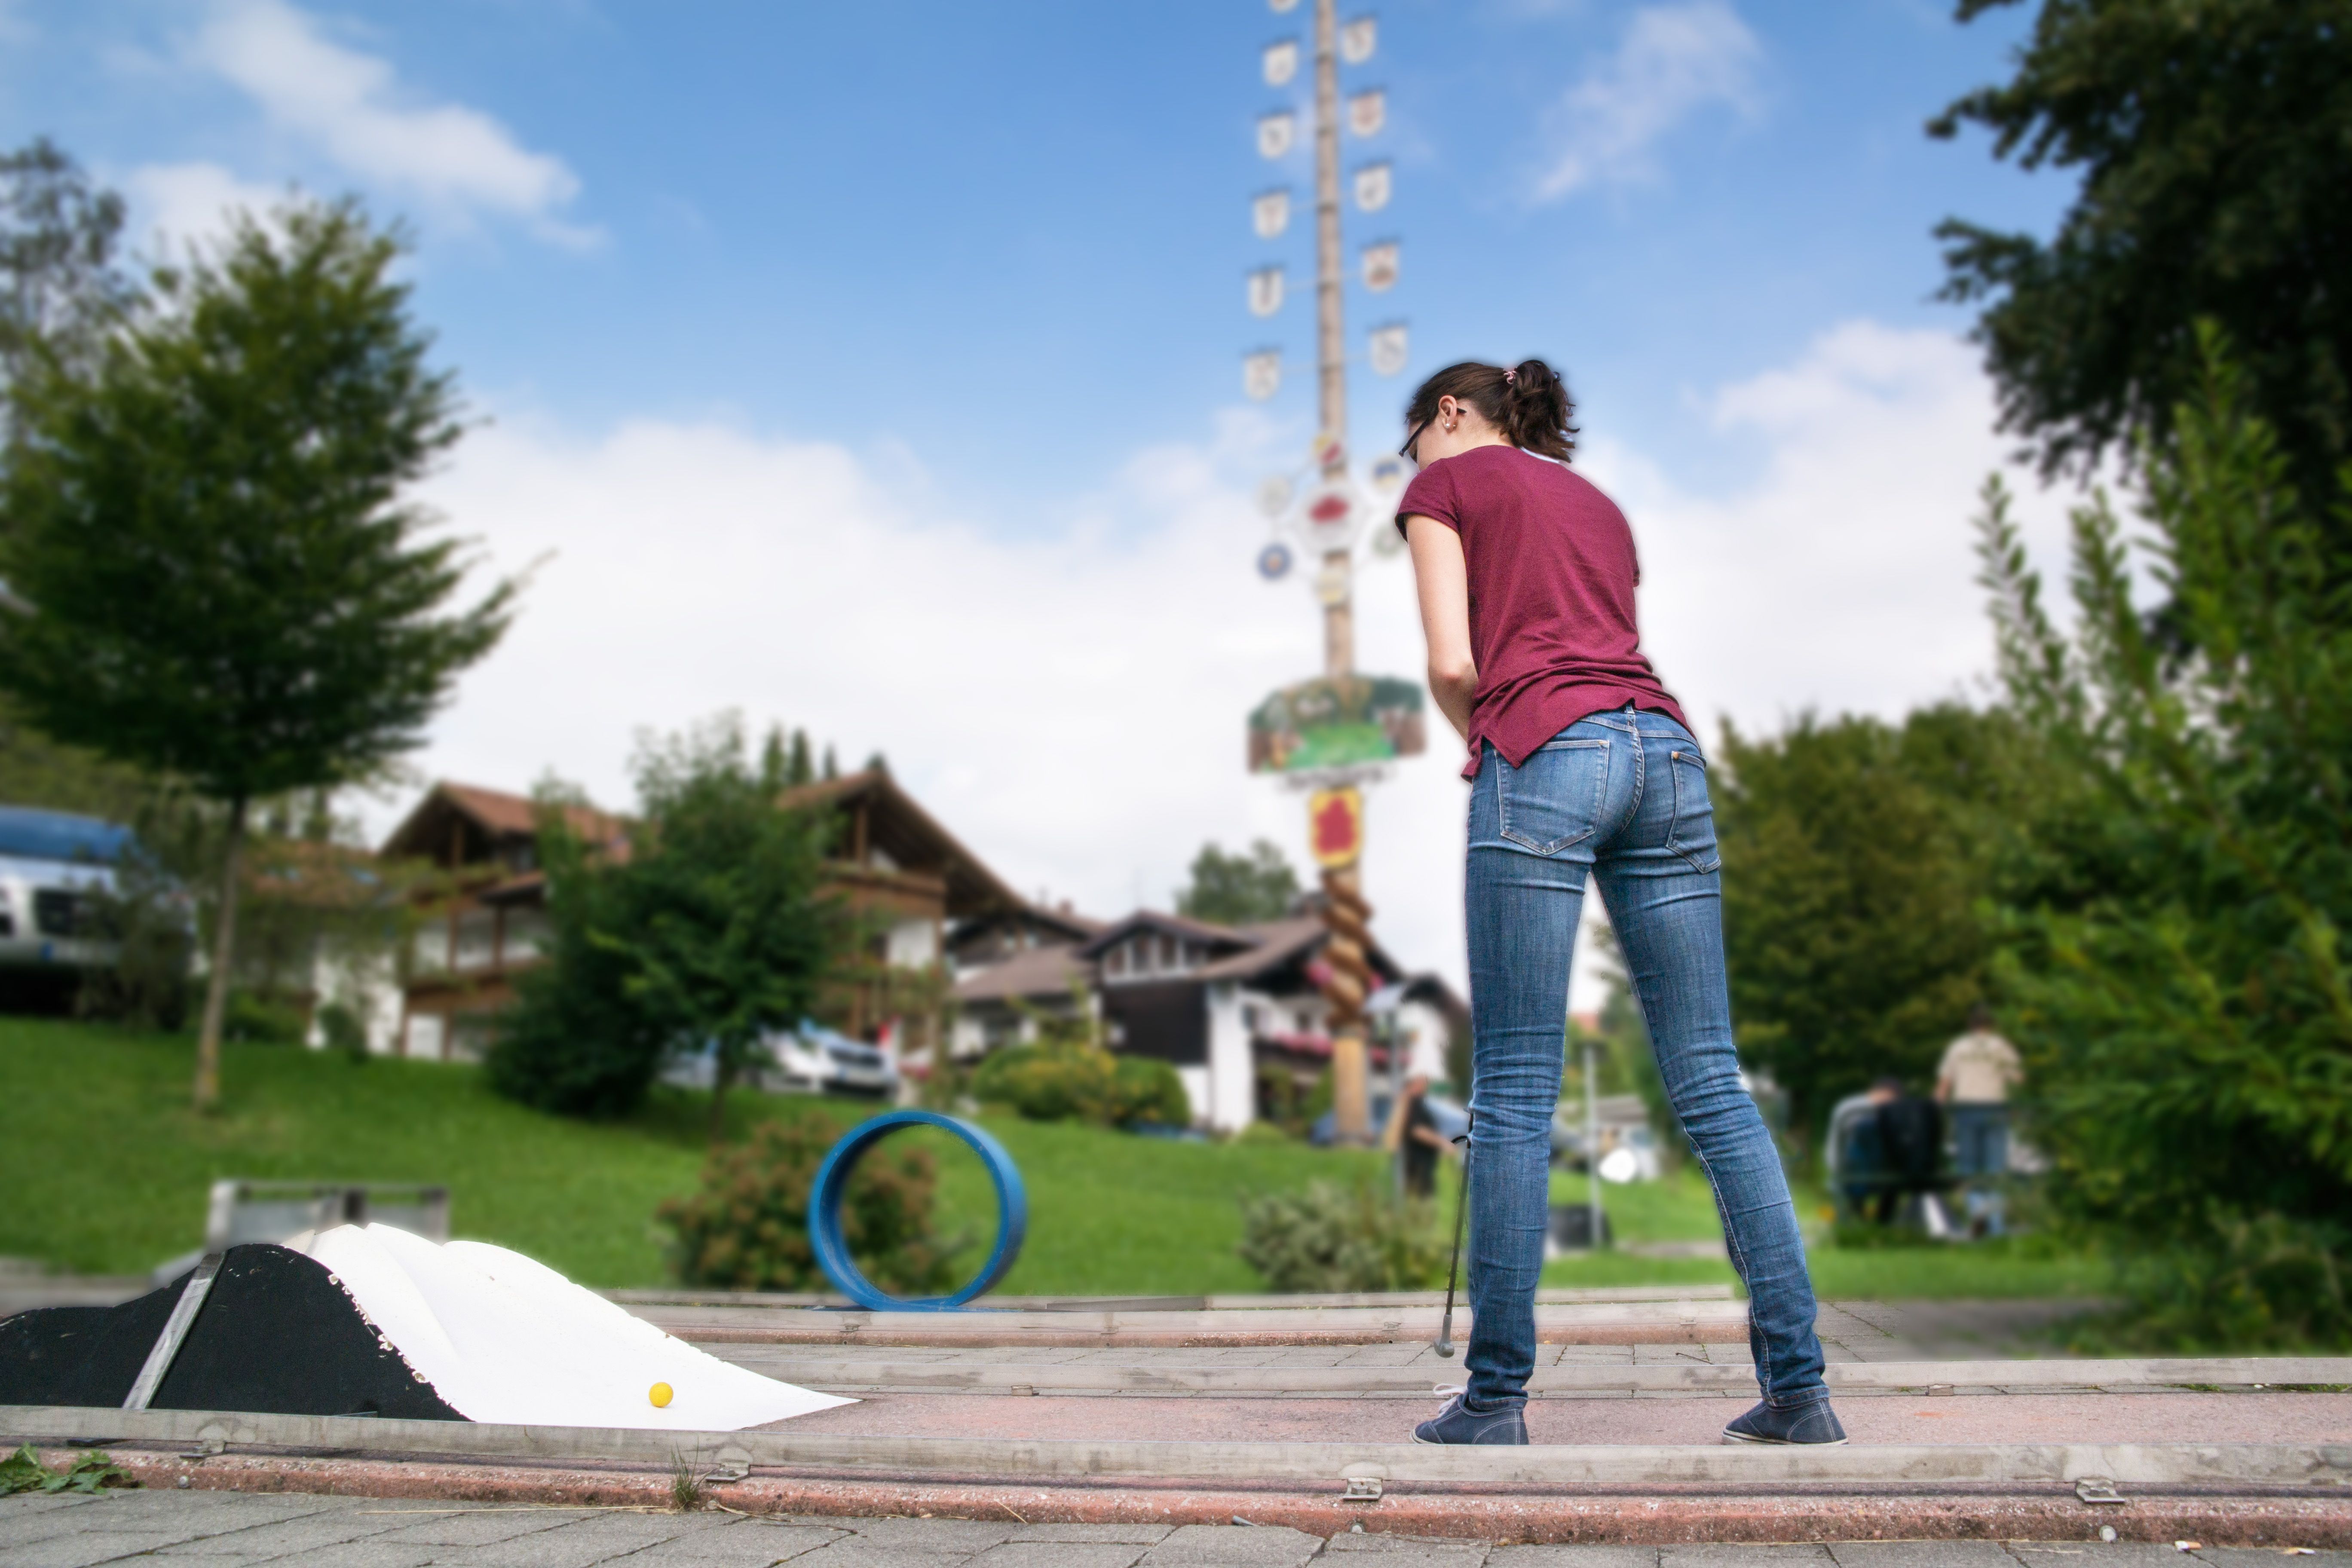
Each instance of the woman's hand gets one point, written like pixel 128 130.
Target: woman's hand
pixel 1443 580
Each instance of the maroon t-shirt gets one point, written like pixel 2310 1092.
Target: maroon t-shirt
pixel 1551 596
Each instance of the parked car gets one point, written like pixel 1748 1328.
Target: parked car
pixel 818 1060
pixel 54 867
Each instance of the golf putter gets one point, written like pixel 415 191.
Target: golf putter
pixel 1445 1345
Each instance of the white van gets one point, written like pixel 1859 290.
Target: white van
pixel 52 865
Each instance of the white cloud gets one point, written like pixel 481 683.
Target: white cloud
pixel 1072 706
pixel 1673 61
pixel 185 202
pixel 352 106
pixel 1842 577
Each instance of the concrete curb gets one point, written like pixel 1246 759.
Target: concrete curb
pixel 1416 1379
pixel 1688 1319
pixel 2265 1518
pixel 1030 1461
pixel 679 1296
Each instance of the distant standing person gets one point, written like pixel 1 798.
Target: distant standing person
pixel 1979 1070
pixel 1582 764
pixel 1424 1143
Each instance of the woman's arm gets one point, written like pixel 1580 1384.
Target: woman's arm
pixel 1444 583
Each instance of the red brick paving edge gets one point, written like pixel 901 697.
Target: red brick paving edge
pixel 2272 1519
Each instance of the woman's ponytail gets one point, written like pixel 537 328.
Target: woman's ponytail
pixel 1536 410
pixel 1529 404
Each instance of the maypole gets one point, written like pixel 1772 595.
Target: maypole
pixel 1335 734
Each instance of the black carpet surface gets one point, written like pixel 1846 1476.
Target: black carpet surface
pixel 275 1335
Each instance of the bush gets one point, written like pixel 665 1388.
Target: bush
pixel 2172 961
pixel 746 1228
pixel 262 1020
pixel 1333 1238
pixel 147 917
pixel 344 1031
pixel 1083 1083
pixel 1146 1090
pixel 575 1043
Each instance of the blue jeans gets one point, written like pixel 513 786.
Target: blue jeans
pixel 1623 795
pixel 1980 1137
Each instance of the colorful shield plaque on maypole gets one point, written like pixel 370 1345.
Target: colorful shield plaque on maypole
pixel 1353 722
pixel 1335 826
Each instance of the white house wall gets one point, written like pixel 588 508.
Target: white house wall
pixel 1230 1095
pixel 914 943
pixel 1198 1089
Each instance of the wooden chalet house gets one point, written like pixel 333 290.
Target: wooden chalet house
pixel 891 863
pixel 1232 1008
pixel 460 966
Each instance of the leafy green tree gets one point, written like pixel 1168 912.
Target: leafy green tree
pixel 2175 971
pixel 1851 871
pixel 1239 889
pixel 730 937
pixel 60 288
pixel 576 1042
pixel 2210 138
pixel 711 933
pixel 223 581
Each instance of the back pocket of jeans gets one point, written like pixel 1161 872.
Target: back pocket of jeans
pixel 1693 835
pixel 1554 800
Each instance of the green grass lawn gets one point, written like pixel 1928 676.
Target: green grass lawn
pixel 104 1169
pixel 1679 1207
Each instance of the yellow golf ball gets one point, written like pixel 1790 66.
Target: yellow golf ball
pixel 660 1394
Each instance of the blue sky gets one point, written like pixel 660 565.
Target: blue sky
pixel 878 367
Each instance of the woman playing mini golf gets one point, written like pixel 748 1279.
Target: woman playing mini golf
pixel 1581 764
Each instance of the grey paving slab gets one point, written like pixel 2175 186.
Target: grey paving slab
pixel 1926 1554
pixel 265 1536
pixel 2103 1555
pixel 1134 1534
pixel 28 1503
pixel 1725 1555
pixel 550 1549
pixel 641 1527
pixel 474 1526
pixel 1232 1546
pixel 959 1536
pixel 81 1548
pixel 852 1551
pixel 1572 1557
pixel 1061 1554
pixel 2268 1557
pixel 376 1553
pixel 220 1509
pixel 25 1520
pixel 1374 1549
pixel 747 1543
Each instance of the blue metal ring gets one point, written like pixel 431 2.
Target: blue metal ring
pixel 832 1185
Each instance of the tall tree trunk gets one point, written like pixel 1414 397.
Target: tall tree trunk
pixel 208 1037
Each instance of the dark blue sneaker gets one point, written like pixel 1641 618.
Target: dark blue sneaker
pixel 1457 1422
pixel 1810 1423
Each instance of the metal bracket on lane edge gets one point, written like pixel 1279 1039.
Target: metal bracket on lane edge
pixel 175 1329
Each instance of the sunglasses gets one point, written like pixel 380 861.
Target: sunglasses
pixel 1412 437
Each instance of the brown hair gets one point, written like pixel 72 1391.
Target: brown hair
pixel 1530 402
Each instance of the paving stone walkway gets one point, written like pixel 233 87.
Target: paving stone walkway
pixel 223 1530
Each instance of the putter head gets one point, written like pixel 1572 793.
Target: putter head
pixel 1445 1348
